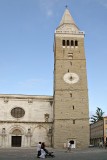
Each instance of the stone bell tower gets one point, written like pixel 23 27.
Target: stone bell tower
pixel 71 112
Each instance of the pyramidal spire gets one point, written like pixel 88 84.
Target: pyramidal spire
pixel 67 24
pixel 67 18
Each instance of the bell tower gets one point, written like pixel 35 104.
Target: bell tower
pixel 71 112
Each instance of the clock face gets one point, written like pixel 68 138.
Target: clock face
pixel 71 78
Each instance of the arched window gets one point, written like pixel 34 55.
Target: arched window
pixel 76 43
pixel 72 43
pixel 63 42
pixel 67 42
pixel 70 55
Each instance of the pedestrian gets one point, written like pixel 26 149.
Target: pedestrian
pixel 38 149
pixel 69 146
pixel 100 144
pixel 43 150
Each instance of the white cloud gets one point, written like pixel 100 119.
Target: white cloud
pixel 49 12
pixel 47 6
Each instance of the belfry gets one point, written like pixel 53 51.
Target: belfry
pixel 71 117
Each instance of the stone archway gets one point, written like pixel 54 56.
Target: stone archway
pixel 40 135
pixel 16 138
pixel 72 142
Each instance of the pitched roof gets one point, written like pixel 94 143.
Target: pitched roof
pixel 67 18
pixel 67 24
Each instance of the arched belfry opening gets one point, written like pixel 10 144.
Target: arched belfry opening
pixel 16 138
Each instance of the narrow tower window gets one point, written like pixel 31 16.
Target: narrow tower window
pixel 70 63
pixel 70 93
pixel 67 42
pixel 63 43
pixel 73 121
pixel 76 43
pixel 72 43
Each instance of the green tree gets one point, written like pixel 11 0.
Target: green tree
pixel 98 116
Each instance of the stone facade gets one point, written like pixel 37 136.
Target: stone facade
pixel 25 120
pixel 33 126
pixel 98 132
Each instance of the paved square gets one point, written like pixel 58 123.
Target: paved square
pixel 30 154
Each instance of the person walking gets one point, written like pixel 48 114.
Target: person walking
pixel 43 150
pixel 69 146
pixel 38 149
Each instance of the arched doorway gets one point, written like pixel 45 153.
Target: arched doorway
pixel 72 142
pixel 16 138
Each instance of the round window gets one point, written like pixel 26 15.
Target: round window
pixel 17 112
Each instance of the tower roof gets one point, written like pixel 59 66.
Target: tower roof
pixel 67 24
pixel 67 18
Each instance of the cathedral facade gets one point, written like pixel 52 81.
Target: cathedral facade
pixel 25 120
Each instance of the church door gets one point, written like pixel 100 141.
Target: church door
pixel 16 141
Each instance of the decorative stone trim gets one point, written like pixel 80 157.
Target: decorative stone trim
pixel 51 102
pixel 49 132
pixel 46 116
pixel 29 134
pixel 6 99
pixel 3 134
pixel 30 100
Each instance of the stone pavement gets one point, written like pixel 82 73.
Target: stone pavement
pixel 30 154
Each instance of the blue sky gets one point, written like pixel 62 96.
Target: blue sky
pixel 26 46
